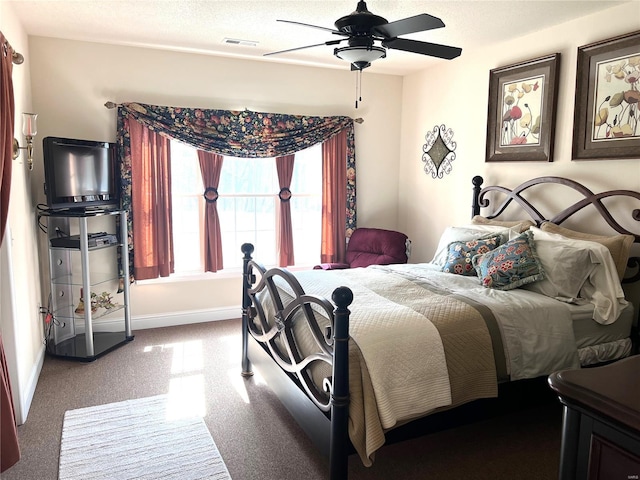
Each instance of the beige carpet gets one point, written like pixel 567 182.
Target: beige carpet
pixel 145 438
pixel 518 438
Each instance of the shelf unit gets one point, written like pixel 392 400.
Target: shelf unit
pixel 78 271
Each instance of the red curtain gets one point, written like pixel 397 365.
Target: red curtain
pixel 334 199
pixel 9 447
pixel 7 112
pixel 151 202
pixel 284 239
pixel 210 167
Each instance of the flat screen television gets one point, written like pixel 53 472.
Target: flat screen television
pixel 80 174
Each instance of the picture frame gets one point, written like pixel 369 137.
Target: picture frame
pixel 607 116
pixel 522 110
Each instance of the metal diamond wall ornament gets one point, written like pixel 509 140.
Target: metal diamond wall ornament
pixel 438 151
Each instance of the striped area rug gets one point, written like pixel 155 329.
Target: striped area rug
pixel 146 438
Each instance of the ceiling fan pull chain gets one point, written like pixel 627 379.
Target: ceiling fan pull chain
pixel 358 87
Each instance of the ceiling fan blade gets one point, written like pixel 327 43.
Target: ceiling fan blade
pixel 423 48
pixel 326 29
pixel 330 42
pixel 419 23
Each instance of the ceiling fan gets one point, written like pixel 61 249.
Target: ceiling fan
pixel 362 29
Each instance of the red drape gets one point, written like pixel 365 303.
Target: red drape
pixel 284 239
pixel 334 199
pixel 7 112
pixel 210 167
pixel 151 202
pixel 9 447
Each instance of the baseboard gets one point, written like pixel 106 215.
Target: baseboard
pixel 185 318
pixel 30 389
pixel 141 322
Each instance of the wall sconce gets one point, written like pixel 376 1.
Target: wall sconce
pixel 29 130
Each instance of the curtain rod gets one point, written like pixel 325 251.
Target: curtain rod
pixel 16 58
pixel 110 105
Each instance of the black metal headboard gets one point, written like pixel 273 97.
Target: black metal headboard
pixel 590 198
pixel 480 200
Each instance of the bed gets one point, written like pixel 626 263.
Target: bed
pixel 501 301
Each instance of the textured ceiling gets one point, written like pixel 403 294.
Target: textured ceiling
pixel 202 25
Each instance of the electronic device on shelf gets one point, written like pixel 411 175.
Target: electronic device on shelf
pixel 99 239
pixel 79 174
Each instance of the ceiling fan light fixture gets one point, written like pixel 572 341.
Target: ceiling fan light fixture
pixel 360 55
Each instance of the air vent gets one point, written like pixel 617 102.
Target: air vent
pixel 235 41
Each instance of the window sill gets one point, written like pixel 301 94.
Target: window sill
pixel 192 277
pixel 231 273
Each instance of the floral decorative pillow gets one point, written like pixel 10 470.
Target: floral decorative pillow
pixel 510 265
pixel 459 254
pixel 470 232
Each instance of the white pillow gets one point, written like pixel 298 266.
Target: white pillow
pixel 466 233
pixel 602 287
pixel 566 266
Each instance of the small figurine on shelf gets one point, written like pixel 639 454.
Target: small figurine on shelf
pixel 104 300
pixel 80 308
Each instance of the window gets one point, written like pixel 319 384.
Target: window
pixel 248 206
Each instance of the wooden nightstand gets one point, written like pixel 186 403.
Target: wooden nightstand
pixel 601 424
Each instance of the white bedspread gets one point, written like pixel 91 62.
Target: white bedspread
pixel 537 331
pixel 407 381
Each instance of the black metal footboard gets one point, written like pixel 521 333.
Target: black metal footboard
pixel 269 341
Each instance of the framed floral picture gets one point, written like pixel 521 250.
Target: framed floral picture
pixel 607 115
pixel 522 110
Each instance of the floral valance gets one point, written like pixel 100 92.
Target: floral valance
pixel 244 133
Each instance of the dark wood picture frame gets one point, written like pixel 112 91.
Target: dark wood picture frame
pixel 523 96
pixel 605 100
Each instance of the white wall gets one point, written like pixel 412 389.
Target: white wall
pixel 455 94
pixel 72 81
pixel 20 321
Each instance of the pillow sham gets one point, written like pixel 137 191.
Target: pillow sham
pixel 510 265
pixel 618 245
pixel 460 255
pixel 566 266
pixel 522 225
pixel 466 233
